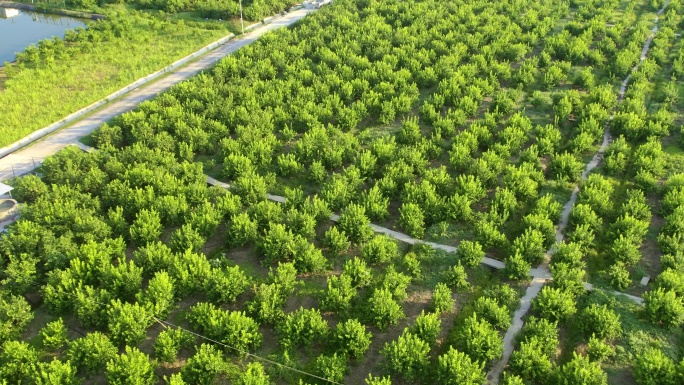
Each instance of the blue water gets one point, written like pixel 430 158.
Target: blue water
pixel 18 32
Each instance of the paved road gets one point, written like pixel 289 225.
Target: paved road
pixel 28 158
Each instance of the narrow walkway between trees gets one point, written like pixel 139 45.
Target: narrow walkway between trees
pixel 537 284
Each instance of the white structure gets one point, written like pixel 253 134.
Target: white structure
pixel 320 3
pixel 6 13
pixel 5 189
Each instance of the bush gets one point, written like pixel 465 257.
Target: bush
pixel 17 362
pixel 204 367
pixel 600 321
pixel 339 295
pixel 332 367
pixel 380 249
pixel 664 307
pixel 517 268
pixel 383 309
pixel 254 374
pixel 336 241
pixel 427 327
pixel 618 276
pixel 412 219
pixel 653 367
pixel 54 334
pixel 442 300
pixel 351 338
pixel 456 368
pixel 372 380
pixel 55 372
pixel 225 285
pixel 554 304
pixel 355 224
pixel 92 352
pixel 581 371
pixel 566 167
pixel 302 327
pixel 408 356
pixel 132 367
pixel 543 330
pixel 146 228
pixel 457 277
pixel 470 253
pixel 490 310
pixel 479 340
pixel 358 271
pixel 598 350
pixel 127 322
pixel 169 342
pixel 530 361
pixel 530 245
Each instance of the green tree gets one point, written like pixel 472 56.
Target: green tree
pixel 29 188
pixel 242 230
pixel 456 368
pixel 15 315
pixel 442 299
pixel 383 309
pixel 254 374
pixel 54 334
pixel 18 361
pixel 529 361
pixel 225 285
pixel 302 327
pixel 232 328
pixel 158 298
pixel 581 371
pixel 56 373
pixel 169 342
pixel 653 367
pixel 566 167
pixel 664 307
pixel 339 295
pixel 600 321
pixel 359 272
pixel 554 304
pixel 380 249
pixel 146 228
pixel 479 340
pixel 355 224
pixel 598 350
pixel 336 241
pixel 92 352
pixel 187 238
pixel 412 219
pixel 408 356
pixel 351 338
pixel 132 367
pixel 427 327
pixel 127 322
pixel 470 253
pixel 517 268
pixel 490 310
pixel 204 367
pixel 457 277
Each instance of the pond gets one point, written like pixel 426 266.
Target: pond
pixel 19 29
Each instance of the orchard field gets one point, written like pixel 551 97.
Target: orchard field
pixel 417 192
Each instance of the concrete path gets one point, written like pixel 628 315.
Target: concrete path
pixel 537 282
pixel 29 158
